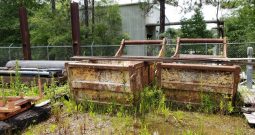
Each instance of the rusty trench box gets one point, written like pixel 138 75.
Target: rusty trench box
pixel 121 79
pixel 112 81
pixel 105 81
pixel 187 83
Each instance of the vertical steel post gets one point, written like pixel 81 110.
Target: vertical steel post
pixel 75 28
pixel 24 33
pixel 249 68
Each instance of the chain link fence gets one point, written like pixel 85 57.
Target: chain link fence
pixel 64 52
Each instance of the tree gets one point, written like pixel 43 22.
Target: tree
pixel 240 27
pixel 162 16
pixel 86 12
pixel 107 28
pixel 9 19
pixel 53 5
pixel 55 28
pixel 195 27
pixel 146 5
pixel 162 3
pixel 52 28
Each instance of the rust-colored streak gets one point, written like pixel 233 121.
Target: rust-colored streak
pixel 184 82
pixel 200 40
pixel 24 33
pixel 142 42
pixel 75 28
pixel 106 81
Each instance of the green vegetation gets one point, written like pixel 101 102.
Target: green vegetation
pixel 154 115
pixel 195 27
pixel 54 28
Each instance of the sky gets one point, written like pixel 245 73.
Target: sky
pixel 175 14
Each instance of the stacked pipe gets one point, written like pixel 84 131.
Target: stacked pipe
pixel 31 69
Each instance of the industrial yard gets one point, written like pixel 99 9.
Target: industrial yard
pixel 86 67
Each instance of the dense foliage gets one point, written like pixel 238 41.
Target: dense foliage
pixel 53 27
pixel 9 20
pixel 240 27
pixel 195 27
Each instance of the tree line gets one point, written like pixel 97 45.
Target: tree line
pixel 49 22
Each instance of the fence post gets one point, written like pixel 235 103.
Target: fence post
pixel 48 55
pixel 249 68
pixel 206 48
pixel 9 51
pixel 91 49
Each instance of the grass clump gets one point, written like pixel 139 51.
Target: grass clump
pixel 151 99
pixel 207 103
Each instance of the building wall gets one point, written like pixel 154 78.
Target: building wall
pixel 133 23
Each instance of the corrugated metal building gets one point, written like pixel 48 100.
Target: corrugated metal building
pixel 134 21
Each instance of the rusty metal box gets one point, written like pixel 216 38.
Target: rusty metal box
pixel 107 81
pixel 186 82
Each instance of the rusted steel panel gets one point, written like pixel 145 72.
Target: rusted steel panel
pixel 200 67
pixel 161 43
pixel 107 81
pixel 201 40
pixel 186 82
pixel 134 42
pixel 75 28
pixel 190 56
pixel 24 33
pixel 95 85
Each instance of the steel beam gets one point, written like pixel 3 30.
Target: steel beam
pixel 201 40
pixel 179 23
pixel 75 28
pixel 24 33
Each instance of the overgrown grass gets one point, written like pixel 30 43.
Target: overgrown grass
pixel 152 109
pixel 124 119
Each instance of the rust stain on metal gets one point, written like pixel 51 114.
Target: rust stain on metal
pixel 200 40
pixel 124 42
pixel 107 81
pixel 103 79
pixel 75 28
pixel 24 33
pixel 182 82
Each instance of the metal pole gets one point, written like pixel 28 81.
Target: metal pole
pixel 206 48
pixel 75 28
pixel 24 33
pixel 249 68
pixel 48 56
pixel 10 51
